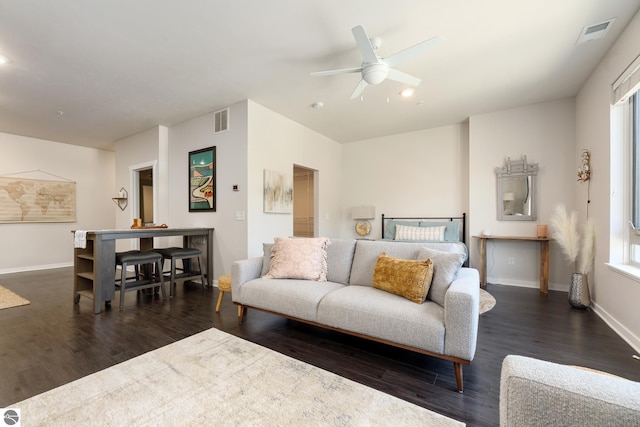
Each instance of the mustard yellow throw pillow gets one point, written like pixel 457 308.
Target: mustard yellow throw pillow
pixel 410 279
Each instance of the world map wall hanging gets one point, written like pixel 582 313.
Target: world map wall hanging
pixel 37 200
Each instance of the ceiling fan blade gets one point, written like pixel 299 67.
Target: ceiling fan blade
pixel 364 45
pixel 359 89
pixel 407 53
pixel 341 71
pixel 401 77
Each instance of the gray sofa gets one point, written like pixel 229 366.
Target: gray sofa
pixel 539 393
pixel 347 301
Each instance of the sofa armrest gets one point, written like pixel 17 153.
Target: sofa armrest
pixel 242 271
pixel 461 312
pixel 539 393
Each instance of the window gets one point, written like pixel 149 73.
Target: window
pixel 634 149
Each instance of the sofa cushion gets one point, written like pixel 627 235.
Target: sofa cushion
pixel 406 232
pixel 445 267
pixel 409 279
pixel 299 258
pixel 339 258
pixel 266 257
pixel 367 253
pixel 376 313
pixel 291 297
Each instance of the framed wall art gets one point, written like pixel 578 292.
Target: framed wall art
pixel 202 180
pixel 278 192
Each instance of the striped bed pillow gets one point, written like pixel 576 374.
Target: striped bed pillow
pixel 406 232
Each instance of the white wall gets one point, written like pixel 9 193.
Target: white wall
pixel 416 173
pixel 615 295
pixel 139 151
pixel 278 143
pixel 230 236
pixel 33 246
pixel 545 133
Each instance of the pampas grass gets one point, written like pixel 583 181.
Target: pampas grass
pixel 564 229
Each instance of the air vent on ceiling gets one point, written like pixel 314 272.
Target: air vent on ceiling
pixel 221 120
pixel 595 31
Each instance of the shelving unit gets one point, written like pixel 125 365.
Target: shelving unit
pixel 84 272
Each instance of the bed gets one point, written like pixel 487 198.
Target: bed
pixel 450 230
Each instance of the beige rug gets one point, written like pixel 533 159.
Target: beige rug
pixel 487 301
pixel 213 378
pixel 9 299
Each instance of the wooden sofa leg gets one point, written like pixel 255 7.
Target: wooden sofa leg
pixel 242 311
pixel 457 367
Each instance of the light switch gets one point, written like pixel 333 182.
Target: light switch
pixel 239 215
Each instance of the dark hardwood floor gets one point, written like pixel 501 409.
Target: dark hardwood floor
pixel 52 342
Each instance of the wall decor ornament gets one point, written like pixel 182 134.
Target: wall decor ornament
pixel 202 180
pixel 584 171
pixel 278 192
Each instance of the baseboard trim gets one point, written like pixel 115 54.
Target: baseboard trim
pixel 35 267
pixel 617 327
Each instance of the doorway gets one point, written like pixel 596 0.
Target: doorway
pixel 145 190
pixel 304 201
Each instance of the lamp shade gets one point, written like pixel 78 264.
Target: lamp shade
pixel 507 197
pixel 363 212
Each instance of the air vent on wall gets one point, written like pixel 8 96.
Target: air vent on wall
pixel 221 120
pixel 595 31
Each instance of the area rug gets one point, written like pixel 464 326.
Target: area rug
pixel 9 299
pixel 213 378
pixel 487 301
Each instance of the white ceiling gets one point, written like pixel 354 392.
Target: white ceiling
pixel 118 67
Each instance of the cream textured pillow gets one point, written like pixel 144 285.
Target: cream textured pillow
pixel 445 268
pixel 407 232
pixel 299 258
pixel 405 277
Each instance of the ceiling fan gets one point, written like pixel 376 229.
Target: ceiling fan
pixel 375 69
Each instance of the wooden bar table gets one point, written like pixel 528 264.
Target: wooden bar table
pixel 94 266
pixel 544 257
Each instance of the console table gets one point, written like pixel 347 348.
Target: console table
pixel 94 266
pixel 544 257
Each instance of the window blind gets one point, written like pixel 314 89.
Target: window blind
pixel 627 84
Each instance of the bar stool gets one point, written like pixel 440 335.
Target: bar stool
pixel 185 254
pixel 139 282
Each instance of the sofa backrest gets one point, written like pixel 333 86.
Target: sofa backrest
pixel 368 251
pixel 339 259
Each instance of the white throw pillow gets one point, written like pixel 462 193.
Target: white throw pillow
pixel 407 232
pixel 299 258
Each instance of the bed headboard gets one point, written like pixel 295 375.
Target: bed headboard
pixel 462 229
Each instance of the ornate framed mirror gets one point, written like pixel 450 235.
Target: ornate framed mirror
pixel 516 190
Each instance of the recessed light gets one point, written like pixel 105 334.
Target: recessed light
pixel 3 60
pixel 407 92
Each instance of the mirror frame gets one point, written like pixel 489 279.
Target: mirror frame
pixel 512 169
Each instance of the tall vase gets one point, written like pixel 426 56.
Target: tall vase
pixel 579 291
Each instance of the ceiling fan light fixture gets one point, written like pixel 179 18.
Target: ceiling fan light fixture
pixel 407 92
pixel 375 73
